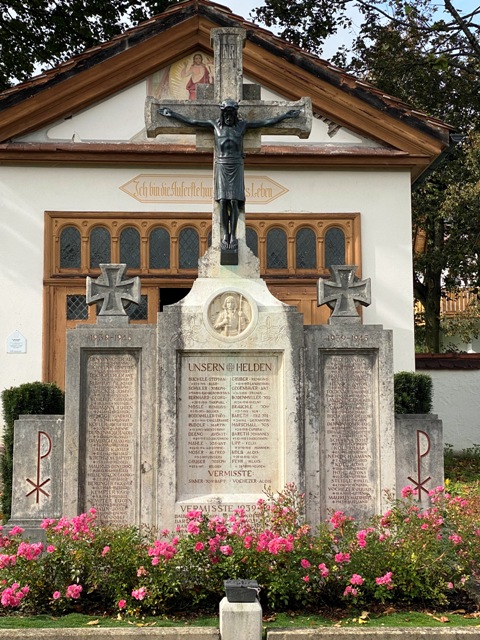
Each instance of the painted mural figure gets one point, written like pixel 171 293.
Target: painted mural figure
pixel 197 73
pixel 229 184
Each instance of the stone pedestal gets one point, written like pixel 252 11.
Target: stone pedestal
pixel 230 401
pixel 350 443
pixel 419 453
pixel 240 620
pixel 37 473
pixel 110 429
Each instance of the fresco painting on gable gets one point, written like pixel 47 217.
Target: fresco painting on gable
pixel 179 80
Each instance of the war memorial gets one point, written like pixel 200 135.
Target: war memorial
pixel 229 392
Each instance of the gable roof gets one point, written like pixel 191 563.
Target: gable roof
pixel 410 138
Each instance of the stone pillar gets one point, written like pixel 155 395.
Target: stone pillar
pixel 350 443
pixel 110 436
pixel 37 473
pixel 240 620
pixel 419 453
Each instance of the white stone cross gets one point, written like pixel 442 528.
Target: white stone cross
pixel 112 290
pixel 344 293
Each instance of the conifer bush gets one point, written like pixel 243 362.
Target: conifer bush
pixel 413 392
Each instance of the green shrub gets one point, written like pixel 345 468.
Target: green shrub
pixel 32 398
pixel 413 392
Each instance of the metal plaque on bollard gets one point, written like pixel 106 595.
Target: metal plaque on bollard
pixel 241 590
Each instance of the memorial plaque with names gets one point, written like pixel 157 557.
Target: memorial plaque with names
pixel 228 429
pixel 350 431
pixel 110 421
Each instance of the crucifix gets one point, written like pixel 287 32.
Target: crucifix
pixel 344 293
pixel 237 117
pixel 111 290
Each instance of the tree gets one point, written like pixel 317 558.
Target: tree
pixel 453 35
pixel 35 35
pixel 431 61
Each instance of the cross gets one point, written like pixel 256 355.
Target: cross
pixel 111 290
pixel 344 294
pixel 236 123
pixel 227 46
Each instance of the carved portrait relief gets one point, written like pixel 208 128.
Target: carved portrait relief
pixel 230 315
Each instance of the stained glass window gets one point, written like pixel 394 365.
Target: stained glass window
pixel 334 247
pixel 70 248
pixel 159 249
pixel 130 248
pixel 99 247
pixel 188 248
pixel 252 240
pixel 306 249
pixel 276 249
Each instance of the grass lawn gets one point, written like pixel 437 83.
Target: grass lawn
pixel 389 617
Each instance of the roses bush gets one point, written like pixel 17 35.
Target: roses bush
pixel 407 555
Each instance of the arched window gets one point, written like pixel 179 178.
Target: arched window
pixel 306 249
pixel 276 249
pixel 70 248
pixel 334 247
pixel 130 248
pixel 188 248
pixel 251 239
pixel 159 248
pixel 99 247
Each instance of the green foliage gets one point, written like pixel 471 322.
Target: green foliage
pixel 431 61
pixel 32 398
pixel 43 34
pixel 407 555
pixel 413 392
pixel 462 466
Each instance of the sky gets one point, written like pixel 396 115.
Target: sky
pixel 244 7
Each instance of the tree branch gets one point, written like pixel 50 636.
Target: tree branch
pixel 463 27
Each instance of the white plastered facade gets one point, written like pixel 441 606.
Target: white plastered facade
pixel 381 197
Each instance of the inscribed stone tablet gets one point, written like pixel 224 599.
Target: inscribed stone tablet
pixel 228 426
pixel 350 431
pixel 111 420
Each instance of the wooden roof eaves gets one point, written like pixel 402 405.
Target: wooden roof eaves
pixel 102 79
pixel 92 154
pixel 344 107
pixel 128 59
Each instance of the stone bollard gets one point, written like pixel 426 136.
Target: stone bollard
pixel 240 611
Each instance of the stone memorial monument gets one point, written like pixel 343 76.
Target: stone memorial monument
pixel 349 425
pixel 110 430
pixel 230 354
pixel 228 393
pixel 37 473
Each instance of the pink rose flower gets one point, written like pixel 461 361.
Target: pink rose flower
pixel 122 604
pixel 56 595
pixel 139 594
pixel 74 591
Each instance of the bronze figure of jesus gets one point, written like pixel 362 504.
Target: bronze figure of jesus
pixel 229 182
